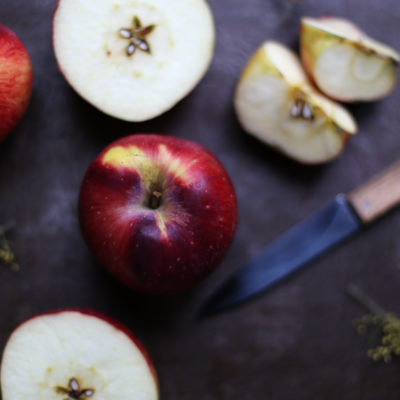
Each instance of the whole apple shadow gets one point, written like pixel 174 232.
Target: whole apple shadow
pixel 141 311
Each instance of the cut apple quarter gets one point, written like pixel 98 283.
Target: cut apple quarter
pixel 75 355
pixel 276 103
pixel 344 62
pixel 133 59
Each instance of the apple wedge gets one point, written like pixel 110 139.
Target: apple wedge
pixel 344 62
pixel 276 103
pixel 133 60
pixel 75 355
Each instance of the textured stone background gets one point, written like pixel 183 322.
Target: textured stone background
pixel 295 342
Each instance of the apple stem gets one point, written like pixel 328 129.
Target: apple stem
pixel 155 199
pixel 365 300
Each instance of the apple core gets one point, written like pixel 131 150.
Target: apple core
pixel 137 36
pixel 74 391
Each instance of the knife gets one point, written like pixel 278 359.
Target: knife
pixel 338 220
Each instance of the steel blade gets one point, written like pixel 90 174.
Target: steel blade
pixel 287 254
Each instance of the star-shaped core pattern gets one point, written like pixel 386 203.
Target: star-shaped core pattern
pixel 137 36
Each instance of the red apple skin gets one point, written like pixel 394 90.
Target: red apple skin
pixel 171 248
pixel 116 324
pixel 16 79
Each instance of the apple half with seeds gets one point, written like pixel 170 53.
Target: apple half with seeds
pixel 158 212
pixel 76 355
pixel 344 62
pixel 133 59
pixel 276 103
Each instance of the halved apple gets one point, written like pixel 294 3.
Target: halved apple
pixel 276 103
pixel 76 355
pixel 344 62
pixel 133 59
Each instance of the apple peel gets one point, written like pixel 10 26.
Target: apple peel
pixel 16 80
pixel 159 213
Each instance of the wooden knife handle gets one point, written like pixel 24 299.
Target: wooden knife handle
pixel 378 195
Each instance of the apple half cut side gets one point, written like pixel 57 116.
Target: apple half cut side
pixel 344 62
pixel 16 79
pixel 276 103
pixel 133 60
pixel 76 355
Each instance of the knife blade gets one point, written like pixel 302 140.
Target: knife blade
pixel 339 219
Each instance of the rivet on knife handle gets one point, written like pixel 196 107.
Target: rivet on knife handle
pixel 378 195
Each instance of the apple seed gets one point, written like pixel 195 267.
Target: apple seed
pixel 301 109
pixel 74 392
pixel 130 49
pixel 125 33
pixel 136 36
pixel 307 112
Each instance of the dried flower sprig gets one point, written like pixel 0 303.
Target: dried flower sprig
pixel 380 323
pixel 6 254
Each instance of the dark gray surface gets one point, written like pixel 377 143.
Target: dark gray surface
pixel 296 342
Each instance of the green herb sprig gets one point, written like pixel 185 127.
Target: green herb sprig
pixel 6 254
pixel 384 328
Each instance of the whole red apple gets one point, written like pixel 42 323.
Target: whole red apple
pixel 76 354
pixel 16 78
pixel 158 212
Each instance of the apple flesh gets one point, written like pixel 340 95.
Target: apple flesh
pixel 16 78
pixel 133 60
pixel 158 212
pixel 276 103
pixel 76 355
pixel 344 62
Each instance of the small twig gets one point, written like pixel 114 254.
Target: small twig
pixel 365 300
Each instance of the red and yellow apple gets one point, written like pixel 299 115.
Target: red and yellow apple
pixel 158 212
pixel 78 355
pixel 16 78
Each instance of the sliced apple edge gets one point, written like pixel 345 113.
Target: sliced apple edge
pixel 276 103
pixel 346 30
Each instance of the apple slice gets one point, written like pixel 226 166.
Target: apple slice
pixel 133 60
pixel 276 103
pixel 344 62
pixel 75 355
